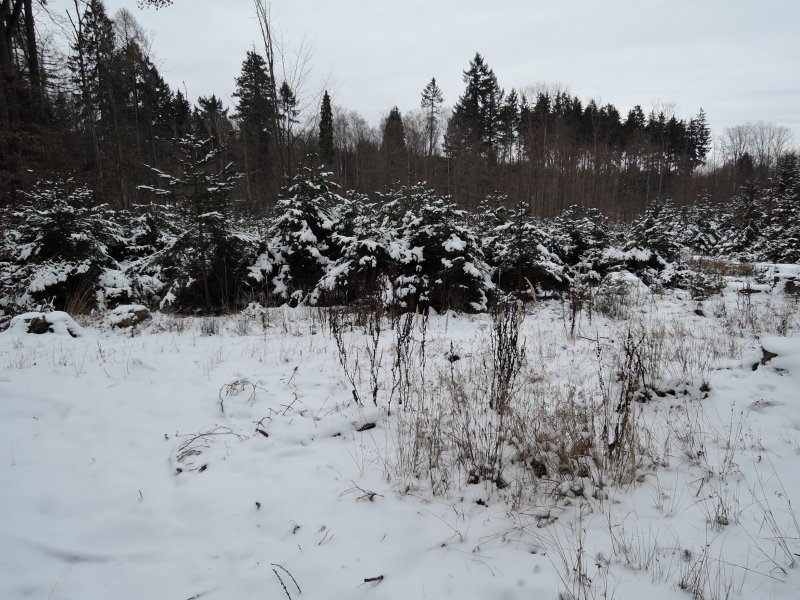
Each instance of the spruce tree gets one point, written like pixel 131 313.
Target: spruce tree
pixel 699 138
pixel 255 113
pixel 254 109
pixel 288 112
pixel 431 104
pixel 476 121
pixel 393 145
pixel 211 119
pixel 181 115
pixel 206 263
pixel 326 149
pixel 301 234
pixel 508 124
pixel 782 233
pixel 90 64
pixel 59 244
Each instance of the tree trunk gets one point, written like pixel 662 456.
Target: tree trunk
pixel 34 73
pixel 9 103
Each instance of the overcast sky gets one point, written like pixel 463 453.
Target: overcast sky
pixel 737 59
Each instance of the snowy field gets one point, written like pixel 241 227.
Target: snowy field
pixel 648 448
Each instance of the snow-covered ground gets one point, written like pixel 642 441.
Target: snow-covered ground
pixel 227 458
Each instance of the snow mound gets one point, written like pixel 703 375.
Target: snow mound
pixel 629 281
pixel 57 322
pixel 128 315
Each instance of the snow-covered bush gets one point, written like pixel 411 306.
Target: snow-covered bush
pixel 579 234
pixel 782 231
pixel 701 228
pixel 658 230
pixel 363 267
pixel 743 228
pixel 204 264
pixel 300 243
pixel 439 259
pixel 519 251
pixel 59 246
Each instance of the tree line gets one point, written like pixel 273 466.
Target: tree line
pixel 102 113
pixel 404 249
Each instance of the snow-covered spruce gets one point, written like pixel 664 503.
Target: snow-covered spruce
pixel 188 250
pixel 299 245
pixel 60 247
pixel 203 264
pixel 438 257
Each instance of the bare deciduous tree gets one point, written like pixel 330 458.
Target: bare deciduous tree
pixel 765 143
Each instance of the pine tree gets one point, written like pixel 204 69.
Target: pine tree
pixel 181 112
pixel 431 104
pixel 60 243
pixel 476 121
pixel 362 242
pixel 439 261
pixel 393 145
pixel 288 112
pixel 207 261
pixel 517 249
pixel 699 139
pixel 782 233
pixel 508 125
pixel 655 230
pixel 254 109
pixel 211 120
pixel 89 65
pixel 141 100
pixel 255 113
pixel 302 235
pixel 579 235
pixel 326 149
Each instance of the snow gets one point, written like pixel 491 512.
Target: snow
pixel 305 235
pixel 131 313
pixel 612 254
pixel 93 433
pixel 51 274
pixel 60 323
pixel 332 276
pixel 630 281
pixel 168 299
pixel 113 284
pixel 454 244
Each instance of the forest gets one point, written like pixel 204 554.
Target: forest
pixel 509 344
pixel 115 187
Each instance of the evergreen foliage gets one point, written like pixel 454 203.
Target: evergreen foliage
pixel 439 259
pixel 393 145
pixel 90 63
pixel 364 268
pixel 431 104
pixel 782 229
pixel 205 264
pixel 301 236
pixel 59 245
pixel 410 249
pixel 326 148
pixel 519 250
pixel 657 230
pixel 255 109
pixel 477 116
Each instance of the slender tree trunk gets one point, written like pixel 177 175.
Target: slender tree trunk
pixel 248 192
pixel 201 233
pixel 34 73
pixel 9 104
